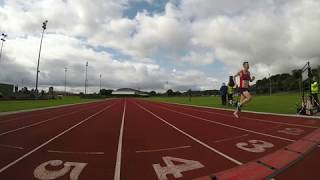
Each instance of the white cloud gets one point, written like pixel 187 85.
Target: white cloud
pixel 275 36
pixel 199 58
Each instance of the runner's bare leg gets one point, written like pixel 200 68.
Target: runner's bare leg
pixel 245 98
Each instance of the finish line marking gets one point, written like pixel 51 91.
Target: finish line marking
pixel 70 152
pixel 164 149
pixel 11 146
pixel 232 138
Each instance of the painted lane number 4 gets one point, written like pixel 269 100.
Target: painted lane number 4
pixel 175 170
pixel 74 168
pixel 255 146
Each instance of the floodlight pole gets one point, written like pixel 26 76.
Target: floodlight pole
pixel 44 27
pixel 3 39
pixel 270 87
pixel 65 80
pixel 100 84
pixel 85 82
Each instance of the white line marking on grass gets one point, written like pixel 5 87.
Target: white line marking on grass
pixel 164 149
pixel 229 139
pixel 117 173
pixel 70 152
pixel 37 123
pixel 11 146
pixel 230 126
pixel 52 139
pixel 249 118
pixel 193 138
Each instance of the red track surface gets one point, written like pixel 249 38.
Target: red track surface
pixel 132 139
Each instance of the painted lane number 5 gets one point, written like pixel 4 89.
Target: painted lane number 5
pixel 175 170
pixel 42 173
pixel 255 146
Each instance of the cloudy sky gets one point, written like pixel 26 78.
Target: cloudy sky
pixel 155 44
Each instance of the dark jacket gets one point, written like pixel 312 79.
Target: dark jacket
pixel 223 90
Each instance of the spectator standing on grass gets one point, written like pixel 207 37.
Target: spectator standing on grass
pixel 231 90
pixel 315 92
pixel 223 93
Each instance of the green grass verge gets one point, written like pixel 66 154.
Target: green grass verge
pixel 284 103
pixel 6 106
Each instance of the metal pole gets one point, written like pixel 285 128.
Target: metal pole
pixel 270 87
pixel 1 49
pixel 3 39
pixel 85 82
pixel 65 80
pixel 100 84
pixel 44 27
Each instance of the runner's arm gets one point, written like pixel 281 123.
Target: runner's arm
pixel 252 78
pixel 235 76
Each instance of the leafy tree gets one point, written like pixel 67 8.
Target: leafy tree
pixel 106 92
pixel 153 93
pixel 178 93
pixel 170 92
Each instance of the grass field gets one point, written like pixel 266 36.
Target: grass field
pixel 6 106
pixel 284 103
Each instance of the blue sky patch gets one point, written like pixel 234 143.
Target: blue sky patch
pixel 140 6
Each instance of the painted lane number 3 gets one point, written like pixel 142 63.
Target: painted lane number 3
pixel 74 168
pixel 255 146
pixel 175 170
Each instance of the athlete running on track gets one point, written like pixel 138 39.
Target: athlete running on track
pixel 245 79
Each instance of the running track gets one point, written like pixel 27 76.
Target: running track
pixel 133 139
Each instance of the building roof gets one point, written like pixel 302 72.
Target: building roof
pixel 123 93
pixel 129 91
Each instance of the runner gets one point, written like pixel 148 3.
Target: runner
pixel 245 79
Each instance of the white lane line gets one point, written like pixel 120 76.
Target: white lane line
pixel 117 174
pixel 232 138
pixel 230 126
pixel 271 129
pixel 41 122
pixel 52 139
pixel 193 138
pixel 248 118
pixel 70 152
pixel 28 116
pixel 54 111
pixel 251 112
pixel 37 123
pixel 164 149
pixel 11 146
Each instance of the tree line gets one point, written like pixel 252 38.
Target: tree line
pixel 285 82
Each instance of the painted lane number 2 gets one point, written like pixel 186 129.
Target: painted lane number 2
pixel 255 146
pixel 73 168
pixel 175 170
